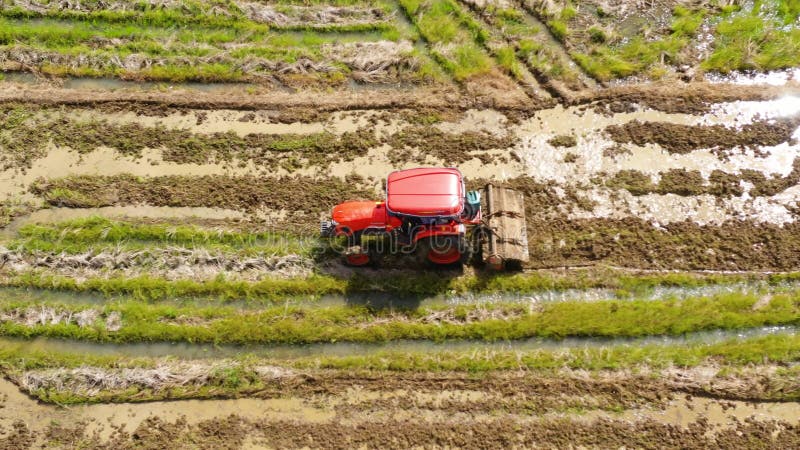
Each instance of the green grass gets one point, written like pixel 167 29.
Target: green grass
pixel 305 324
pixel 686 22
pixel 96 233
pixel 507 59
pixel 606 59
pixel 635 57
pixel 444 23
pixel 181 40
pixel 559 29
pixel 149 288
pixel 757 39
pixel 597 35
pixel 789 10
pixel 568 13
pixel 734 353
pixel 469 61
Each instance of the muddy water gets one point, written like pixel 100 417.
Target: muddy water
pixel 546 162
pixel 774 78
pixel 686 410
pixel 196 351
pixel 574 166
pixel 61 161
pixel 113 84
pixel 742 112
pixel 103 419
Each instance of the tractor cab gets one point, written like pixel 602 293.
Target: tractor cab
pixel 429 195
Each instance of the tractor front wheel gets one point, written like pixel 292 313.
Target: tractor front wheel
pixel 357 259
pixel 443 250
pixel 355 255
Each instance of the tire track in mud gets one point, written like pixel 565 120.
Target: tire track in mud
pixel 695 97
pixel 678 97
pixel 556 240
pixel 234 432
pixel 304 198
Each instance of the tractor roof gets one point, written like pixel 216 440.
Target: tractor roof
pixel 425 192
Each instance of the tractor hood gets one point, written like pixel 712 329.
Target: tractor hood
pixel 425 192
pixel 359 215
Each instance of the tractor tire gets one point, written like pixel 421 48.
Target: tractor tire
pixel 356 259
pixel 439 251
pixel 476 239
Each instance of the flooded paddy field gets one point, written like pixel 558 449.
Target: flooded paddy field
pixel 162 278
pixel 163 285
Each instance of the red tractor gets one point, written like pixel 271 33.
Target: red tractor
pixel 429 212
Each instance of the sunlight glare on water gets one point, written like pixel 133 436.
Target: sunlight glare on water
pixel 744 112
pixel 775 78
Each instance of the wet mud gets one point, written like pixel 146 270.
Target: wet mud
pixel 649 177
pixel 599 188
pixel 305 198
pixel 681 139
pixel 330 409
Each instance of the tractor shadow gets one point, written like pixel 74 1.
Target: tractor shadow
pixel 396 284
pixel 383 301
pixel 401 281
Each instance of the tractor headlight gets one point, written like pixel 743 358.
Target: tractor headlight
pixel 327 228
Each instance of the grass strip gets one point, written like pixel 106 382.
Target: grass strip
pixel 303 324
pixel 415 284
pixel 94 233
pixel 774 349
pixel 456 39
pixel 758 37
pixel 149 288
pixel 190 14
pixel 638 54
pixel 777 349
pixel 240 376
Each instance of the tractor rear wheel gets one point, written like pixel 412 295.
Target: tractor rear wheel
pixel 443 250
